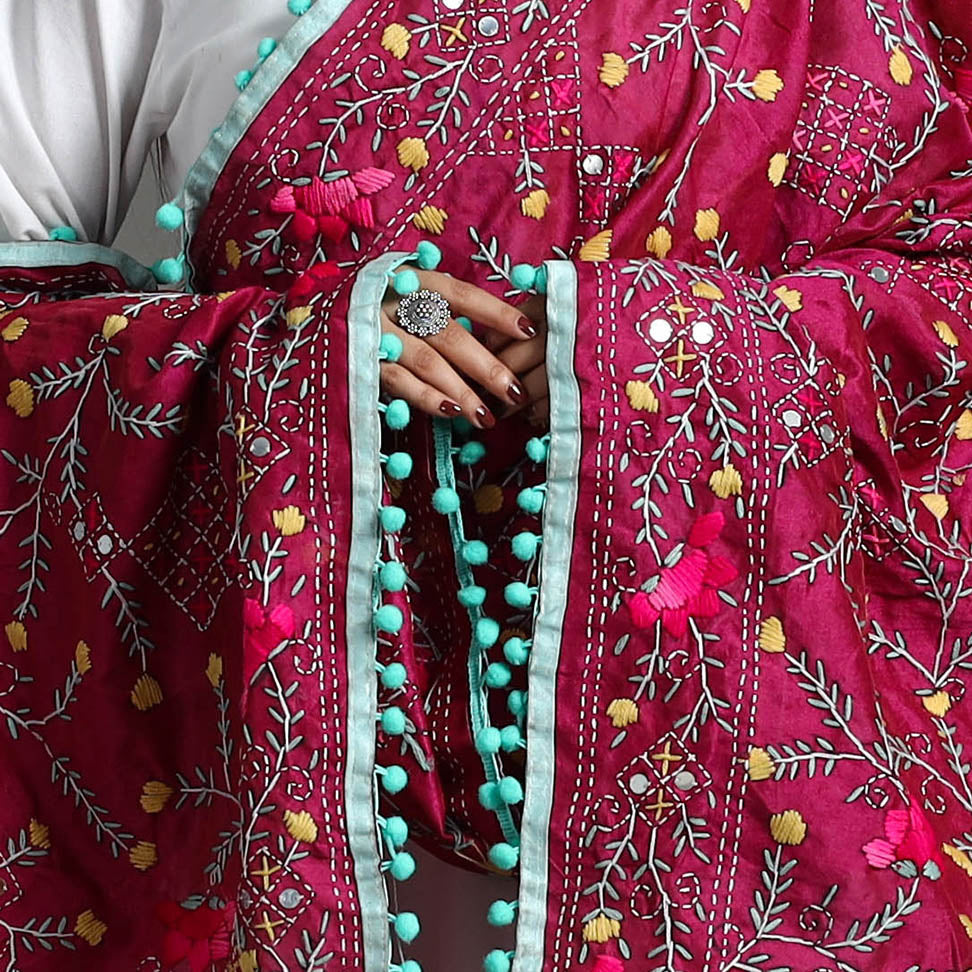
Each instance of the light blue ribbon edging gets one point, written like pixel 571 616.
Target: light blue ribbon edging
pixel 560 506
pixel 365 431
pixel 55 253
pixel 268 77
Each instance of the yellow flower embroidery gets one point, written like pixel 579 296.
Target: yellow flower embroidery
pixel 937 704
pixel 146 693
pixel 777 168
pixel 771 636
pixel 16 634
pixel 396 39
pixel 761 765
pixel 641 397
pixel 743 5
pixel 706 224
pixel 413 154
pixel 659 242
pixel 622 712
pixel 788 827
pixel 214 670
pixel 114 324
pixel 966 924
pixel 597 248
pixel 297 315
pixel 936 504
pixel 155 795
pixel 946 334
pixel 39 834
pixel 882 423
pixel 233 254
pixel 248 961
pixel 15 329
pixel 300 826
pixel 143 855
pixel 289 521
pixel 790 298
pixel 21 398
pixel 82 658
pixel 899 67
pixel 601 929
pixel 963 427
pixel 89 928
pixel 959 857
pixel 535 204
pixel 706 290
pixel 488 498
pixel 613 70
pixel 432 219
pixel 767 85
pixel 726 482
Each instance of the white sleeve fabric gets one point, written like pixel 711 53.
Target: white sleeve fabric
pixel 87 87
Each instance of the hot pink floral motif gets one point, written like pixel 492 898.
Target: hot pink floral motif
pixel 265 629
pixel 907 836
pixel 201 935
pixel 689 588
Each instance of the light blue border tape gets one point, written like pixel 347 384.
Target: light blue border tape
pixel 560 507
pixel 478 714
pixel 55 253
pixel 288 53
pixel 365 430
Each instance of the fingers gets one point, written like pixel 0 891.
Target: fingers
pixel 523 356
pixel 535 385
pixel 399 382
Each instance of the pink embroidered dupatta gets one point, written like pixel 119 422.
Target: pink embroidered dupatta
pixel 706 693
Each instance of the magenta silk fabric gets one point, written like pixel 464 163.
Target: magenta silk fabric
pixel 731 681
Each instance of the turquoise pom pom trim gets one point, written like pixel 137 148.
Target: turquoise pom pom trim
pixel 266 47
pixel 489 796
pixel 393 721
pixel 170 270
pixel 504 856
pixel 299 7
pixel 472 596
pixel 409 965
pixel 487 632
pixel 488 741
pixel 510 790
pixel 471 452
pixel 428 255
pixel 530 500
pixel 445 500
pixel 525 545
pixel 523 276
pixel 405 282
pixel 394 779
pixel 516 651
pixel 540 282
pixel 497 960
pixel 393 676
pixel 518 595
pixel 402 866
pixel 64 234
pixel 395 831
pixel 170 217
pixel 517 702
pixel 392 576
pixel 475 552
pixel 390 347
pixel 392 518
pixel 511 739
pixel 389 618
pixel 243 78
pixel 498 675
pixel 397 413
pixel 399 465
pixel 407 926
pixel 537 449
pixel 501 913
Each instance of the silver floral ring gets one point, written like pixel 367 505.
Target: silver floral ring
pixel 423 313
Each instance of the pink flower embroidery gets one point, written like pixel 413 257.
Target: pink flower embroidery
pixel 264 631
pixel 690 587
pixel 907 836
pixel 201 935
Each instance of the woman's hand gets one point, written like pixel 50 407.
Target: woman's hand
pixel 527 359
pixel 429 373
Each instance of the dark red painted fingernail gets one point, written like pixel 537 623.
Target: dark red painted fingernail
pixel 486 418
pixel 526 326
pixel 449 408
pixel 516 393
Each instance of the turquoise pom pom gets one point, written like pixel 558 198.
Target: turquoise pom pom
pixel 394 779
pixel 168 271
pixel 496 961
pixel 389 618
pixel 489 796
pixel 510 790
pixel 540 283
pixel 472 596
pixel 445 500
pixel 504 856
pixel 410 965
pixel 515 651
pixel 488 741
pixel 475 552
pixel 518 595
pixel 393 721
pixel 464 323
pixel 530 500
pixel 407 926
pixel 525 545
pixel 393 676
pixel 402 866
pixel 487 631
pixel 517 702
pixel 392 518
pixel 498 675
pixel 170 217
pixel 392 576
pixel 405 282
pixel 243 78
pixel 299 7
pixel 471 452
pixel 537 450
pixel 429 255
pixel 390 346
pixel 501 913
pixel 511 739
pixel 399 465
pixel 266 47
pixel 523 276
pixel 64 234
pixel 462 426
pixel 396 831
pixel 397 414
